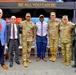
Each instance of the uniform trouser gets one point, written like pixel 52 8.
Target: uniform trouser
pixel 13 46
pixel 66 51
pixel 54 46
pixel 1 54
pixel 41 43
pixel 26 49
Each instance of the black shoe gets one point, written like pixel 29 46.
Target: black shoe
pixel 18 62
pixel 11 64
pixel 74 66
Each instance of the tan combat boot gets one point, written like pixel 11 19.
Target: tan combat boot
pixel 28 60
pixel 54 58
pixel 63 61
pixel 68 63
pixel 25 64
pixel 51 58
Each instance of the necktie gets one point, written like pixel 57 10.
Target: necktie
pixel 0 26
pixel 13 32
pixel 41 28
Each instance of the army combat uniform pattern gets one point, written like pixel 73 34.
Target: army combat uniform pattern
pixel 54 35
pixel 27 38
pixel 66 40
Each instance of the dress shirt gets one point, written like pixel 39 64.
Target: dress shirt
pixel 42 31
pixel 15 27
pixel 0 31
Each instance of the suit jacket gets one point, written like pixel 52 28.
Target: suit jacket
pixel 3 33
pixel 74 45
pixel 74 35
pixel 9 33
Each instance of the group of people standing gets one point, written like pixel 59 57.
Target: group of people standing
pixel 55 29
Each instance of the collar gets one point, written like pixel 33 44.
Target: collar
pixel 41 22
pixel 13 24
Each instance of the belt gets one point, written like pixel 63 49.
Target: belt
pixel 13 39
pixel 42 36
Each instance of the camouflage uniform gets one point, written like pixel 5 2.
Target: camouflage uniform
pixel 66 40
pixel 27 38
pixel 54 35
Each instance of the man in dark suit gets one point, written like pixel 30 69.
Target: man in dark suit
pixel 74 46
pixel 13 40
pixel 3 37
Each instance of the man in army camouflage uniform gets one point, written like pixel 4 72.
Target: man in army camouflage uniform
pixel 27 38
pixel 66 28
pixel 53 25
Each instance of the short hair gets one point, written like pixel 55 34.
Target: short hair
pixel 1 11
pixel 13 17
